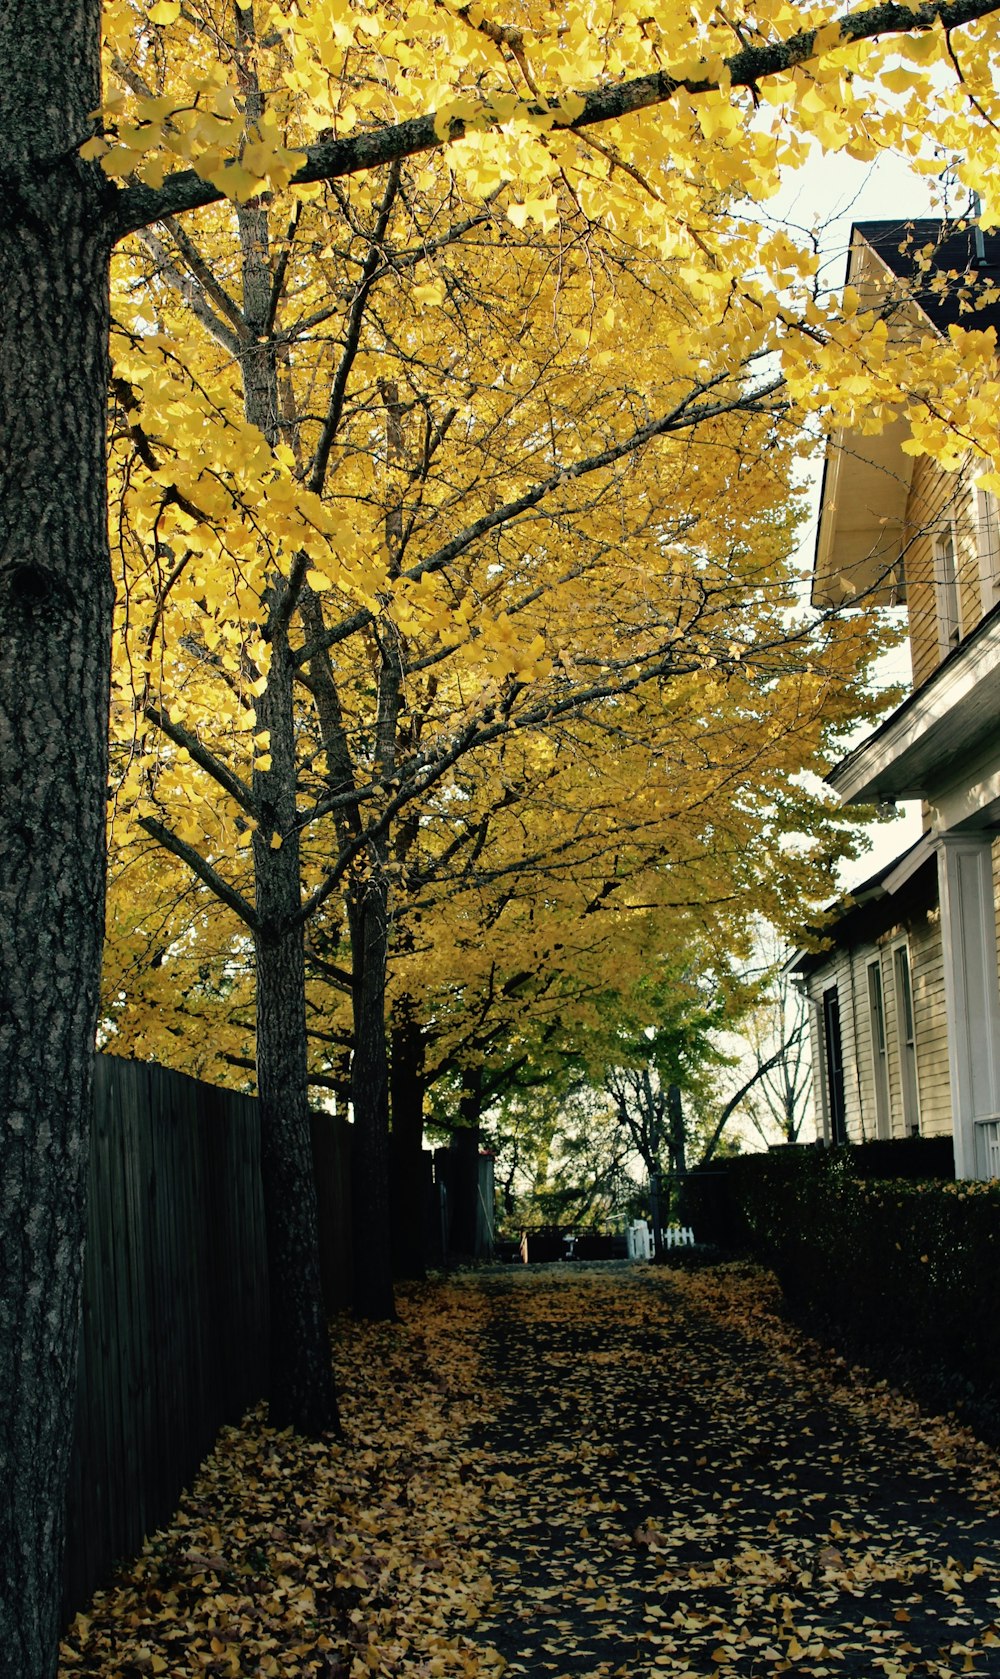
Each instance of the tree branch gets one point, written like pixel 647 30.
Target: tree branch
pixel 139 205
pixel 207 761
pixel 196 863
pixel 688 413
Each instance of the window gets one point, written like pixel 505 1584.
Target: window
pixel 988 545
pixel 907 1039
pixel 880 1051
pixel 834 1049
pixel 946 581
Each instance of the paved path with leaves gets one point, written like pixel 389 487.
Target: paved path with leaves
pixel 681 1485
pixel 574 1471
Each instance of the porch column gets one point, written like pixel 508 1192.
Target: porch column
pixel 972 999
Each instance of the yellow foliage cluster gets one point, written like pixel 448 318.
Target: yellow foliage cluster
pixel 536 399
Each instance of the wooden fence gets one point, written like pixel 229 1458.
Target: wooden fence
pixel 175 1315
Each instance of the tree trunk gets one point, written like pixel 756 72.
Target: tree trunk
pixel 55 632
pixel 655 1190
pixel 465 1142
pixel 301 1385
pixel 301 1380
pixel 369 908
pixel 677 1133
pixel 408 1085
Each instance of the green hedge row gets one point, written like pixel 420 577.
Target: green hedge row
pixel 905 1262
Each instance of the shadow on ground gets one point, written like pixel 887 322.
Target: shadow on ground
pixel 681 1483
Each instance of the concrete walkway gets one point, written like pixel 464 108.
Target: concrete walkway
pixel 679 1484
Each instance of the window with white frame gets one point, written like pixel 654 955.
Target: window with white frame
pixel 880 1049
pixel 833 1046
pixel 906 1038
pixel 946 589
pixel 987 514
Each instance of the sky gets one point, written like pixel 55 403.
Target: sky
pixel 834 192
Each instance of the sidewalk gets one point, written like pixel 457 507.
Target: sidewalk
pixel 574 1470
pixel 682 1485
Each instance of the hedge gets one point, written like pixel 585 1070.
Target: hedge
pixel 905 1261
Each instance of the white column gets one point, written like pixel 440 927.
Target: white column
pixel 972 997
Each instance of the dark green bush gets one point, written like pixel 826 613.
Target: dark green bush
pixel 902 1157
pixel 706 1204
pixel 897 1262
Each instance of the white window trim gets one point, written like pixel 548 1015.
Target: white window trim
pixel 909 1101
pixel 947 593
pixel 986 512
pixel 833 988
pixel 880 1060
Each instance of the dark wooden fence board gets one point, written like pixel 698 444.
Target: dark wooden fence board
pixel 174 1336
pixel 331 1145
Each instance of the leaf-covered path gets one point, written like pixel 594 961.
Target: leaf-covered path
pixel 683 1486
pixel 576 1470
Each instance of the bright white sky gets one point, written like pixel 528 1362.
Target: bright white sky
pixel 833 192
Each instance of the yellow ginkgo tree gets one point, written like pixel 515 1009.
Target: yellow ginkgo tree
pixel 394 526
pixel 448 507
pixel 646 123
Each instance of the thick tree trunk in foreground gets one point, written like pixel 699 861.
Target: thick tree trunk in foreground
pixel 55 631
pixel 301 1386
pixel 407 1087
pixel 373 1295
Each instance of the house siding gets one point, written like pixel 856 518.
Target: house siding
pixel 842 971
pixel 930 1026
pixel 937 497
pixel 848 970
pixel 948 592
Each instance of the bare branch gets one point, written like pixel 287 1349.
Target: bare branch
pixel 196 863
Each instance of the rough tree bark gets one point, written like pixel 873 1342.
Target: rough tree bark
pixel 301 1388
pixel 301 1391
pixel 368 919
pixel 465 1142
pixel 55 632
pixel 369 911
pixel 407 1088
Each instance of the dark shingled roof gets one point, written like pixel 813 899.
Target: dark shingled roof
pixel 869 909
pixel 959 253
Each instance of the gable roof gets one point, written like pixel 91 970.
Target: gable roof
pixel 942 270
pixel 906 884
pixel 942 264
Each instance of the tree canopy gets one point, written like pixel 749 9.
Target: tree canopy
pixel 301 510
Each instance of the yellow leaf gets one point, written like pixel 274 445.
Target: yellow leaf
pixel 921 48
pixel 165 12
pixel 430 294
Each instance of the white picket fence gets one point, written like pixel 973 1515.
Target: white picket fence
pixel 639 1238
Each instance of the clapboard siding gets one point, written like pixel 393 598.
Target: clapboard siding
pixel 847 968
pixel 931 1025
pixel 935 498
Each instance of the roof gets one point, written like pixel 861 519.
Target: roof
pixel 942 263
pixel 943 269
pixel 913 750
pixel 878 903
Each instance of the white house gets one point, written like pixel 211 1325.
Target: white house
pixel 907 998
